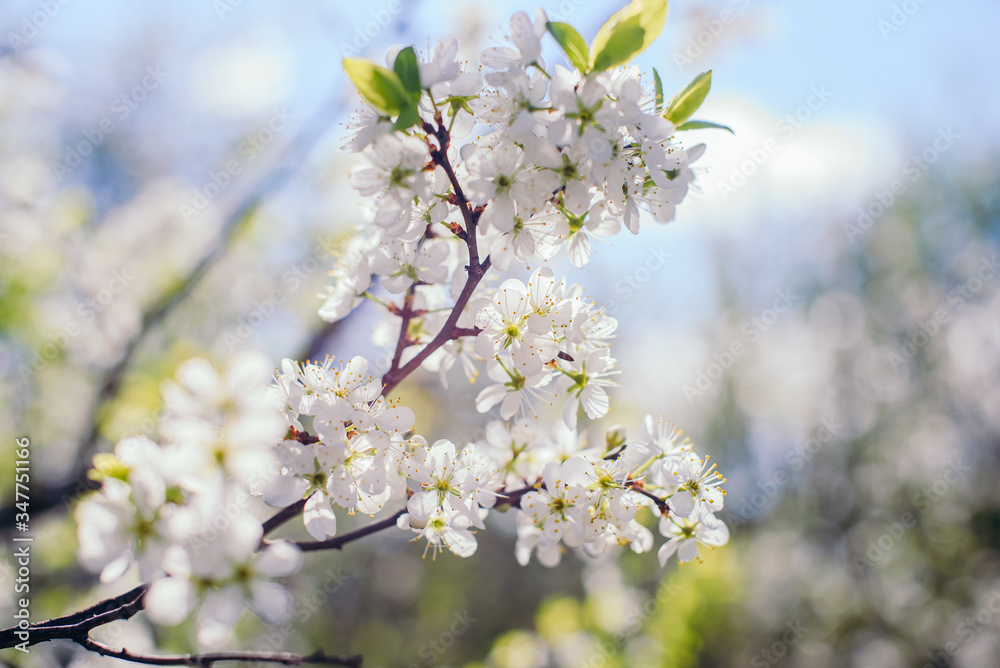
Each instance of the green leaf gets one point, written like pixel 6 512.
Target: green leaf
pixel 407 69
pixel 647 15
pixel 572 44
pixel 658 89
pixel 378 85
pixel 704 125
pixel 623 43
pixel 408 117
pixel 688 100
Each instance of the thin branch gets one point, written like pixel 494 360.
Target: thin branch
pixel 112 609
pixel 337 542
pixel 404 327
pixel 77 627
pixel 393 377
pixel 636 486
pixel 476 270
pixel 440 157
pixel 459 332
pixel 283 515
pixel 282 658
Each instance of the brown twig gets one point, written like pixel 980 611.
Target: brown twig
pixel 282 658
pixel 77 627
pixel 476 270
pixel 78 624
pixel 636 486
pixel 338 542
pixel 283 515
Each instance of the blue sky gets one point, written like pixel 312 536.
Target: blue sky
pixel 230 63
pixel 938 65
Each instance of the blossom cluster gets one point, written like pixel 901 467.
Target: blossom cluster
pixel 363 455
pixel 562 158
pixel 180 507
pixel 466 170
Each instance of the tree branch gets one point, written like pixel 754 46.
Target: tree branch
pixel 337 542
pixel 404 326
pixel 71 626
pixel 476 270
pixel 77 628
pixel 283 515
pixel 282 658
pixel 636 486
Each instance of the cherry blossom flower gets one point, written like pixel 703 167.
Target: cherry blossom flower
pixel 687 533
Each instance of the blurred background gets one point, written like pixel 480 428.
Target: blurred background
pixel 825 323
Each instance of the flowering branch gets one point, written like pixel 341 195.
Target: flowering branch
pixel 338 542
pixel 571 156
pixel 476 271
pixel 636 486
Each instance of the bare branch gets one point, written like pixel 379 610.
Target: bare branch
pixel 337 542
pixel 77 627
pixel 283 515
pixel 282 658
pixel 72 626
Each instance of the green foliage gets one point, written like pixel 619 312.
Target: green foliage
pixel 704 125
pixel 396 92
pixel 658 90
pixel 407 69
pixel 572 44
pixel 627 33
pixel 622 44
pixel 690 99
pixel 381 87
